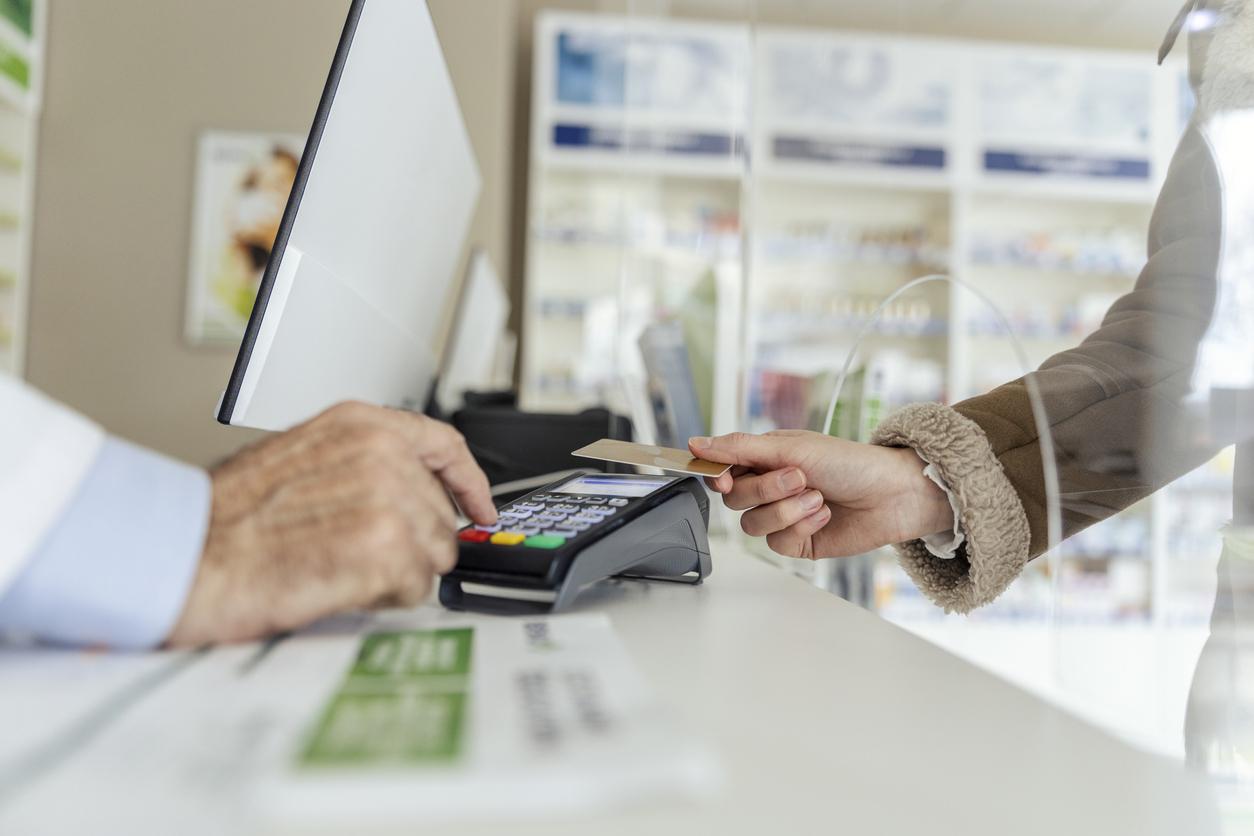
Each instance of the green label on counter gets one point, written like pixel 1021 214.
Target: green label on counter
pixel 426 653
pixel 403 703
pixel 404 727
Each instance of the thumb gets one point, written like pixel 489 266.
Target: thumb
pixel 758 452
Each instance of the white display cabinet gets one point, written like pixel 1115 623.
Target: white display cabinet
pixel 21 71
pixel 849 166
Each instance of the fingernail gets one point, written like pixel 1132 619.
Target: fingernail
pixel 700 442
pixel 812 501
pixel 793 480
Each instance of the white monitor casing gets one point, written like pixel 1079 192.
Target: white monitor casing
pixel 364 265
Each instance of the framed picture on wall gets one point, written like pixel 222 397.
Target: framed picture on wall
pixel 242 185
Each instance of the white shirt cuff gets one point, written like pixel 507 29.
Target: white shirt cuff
pixel 945 544
pixel 116 568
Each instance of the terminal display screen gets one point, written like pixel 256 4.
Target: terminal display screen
pixel 610 486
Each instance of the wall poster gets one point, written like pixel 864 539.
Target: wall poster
pixel 242 185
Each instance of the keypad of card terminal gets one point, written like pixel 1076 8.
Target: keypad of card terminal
pixel 545 520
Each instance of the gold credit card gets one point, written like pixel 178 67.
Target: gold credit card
pixel 646 455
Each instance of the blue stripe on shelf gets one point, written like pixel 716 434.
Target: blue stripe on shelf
pixel 1067 165
pixel 639 140
pixel 858 153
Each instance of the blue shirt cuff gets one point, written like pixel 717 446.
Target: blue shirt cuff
pixel 117 567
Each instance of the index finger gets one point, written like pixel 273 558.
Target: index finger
pixel 443 450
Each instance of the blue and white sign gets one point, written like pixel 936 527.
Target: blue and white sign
pixel 1068 165
pixel 640 140
pixel 802 149
pixel 649 72
pixel 846 102
pixel 1064 115
pixel 648 89
pixel 872 85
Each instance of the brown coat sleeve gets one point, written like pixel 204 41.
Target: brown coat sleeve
pixel 1116 407
pixel 1116 404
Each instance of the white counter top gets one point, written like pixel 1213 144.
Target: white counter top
pixel 827 719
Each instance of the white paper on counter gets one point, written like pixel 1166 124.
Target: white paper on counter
pixel 560 721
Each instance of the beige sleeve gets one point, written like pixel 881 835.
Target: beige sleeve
pixel 993 519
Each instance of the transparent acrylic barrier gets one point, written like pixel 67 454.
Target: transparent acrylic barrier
pixel 1152 424
pixel 768 204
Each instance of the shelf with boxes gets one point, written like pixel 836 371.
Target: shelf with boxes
pixel 1081 253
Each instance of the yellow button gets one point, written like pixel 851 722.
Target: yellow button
pixel 508 538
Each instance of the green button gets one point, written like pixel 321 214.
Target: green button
pixel 545 541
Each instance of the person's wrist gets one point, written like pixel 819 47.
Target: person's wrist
pixel 928 508
pixel 216 608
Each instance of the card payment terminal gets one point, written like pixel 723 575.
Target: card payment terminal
pixel 555 542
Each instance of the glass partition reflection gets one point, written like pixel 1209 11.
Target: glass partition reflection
pixel 749 186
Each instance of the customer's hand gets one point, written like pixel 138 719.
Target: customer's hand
pixel 815 496
pixel 346 511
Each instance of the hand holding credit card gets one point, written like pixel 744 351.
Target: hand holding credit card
pixel 647 455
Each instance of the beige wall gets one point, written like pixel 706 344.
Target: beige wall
pixel 130 84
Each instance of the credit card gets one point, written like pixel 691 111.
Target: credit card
pixel 646 455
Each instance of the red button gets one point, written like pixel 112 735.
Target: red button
pixel 472 535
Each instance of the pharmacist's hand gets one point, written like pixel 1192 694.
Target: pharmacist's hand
pixel 349 510
pixel 815 496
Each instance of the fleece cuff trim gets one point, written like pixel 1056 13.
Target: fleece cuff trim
pixel 993 518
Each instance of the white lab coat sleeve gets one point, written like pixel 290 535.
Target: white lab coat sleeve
pixel 46 451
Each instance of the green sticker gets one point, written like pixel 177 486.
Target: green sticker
pixel 408 655
pixel 403 703
pixel 405 728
